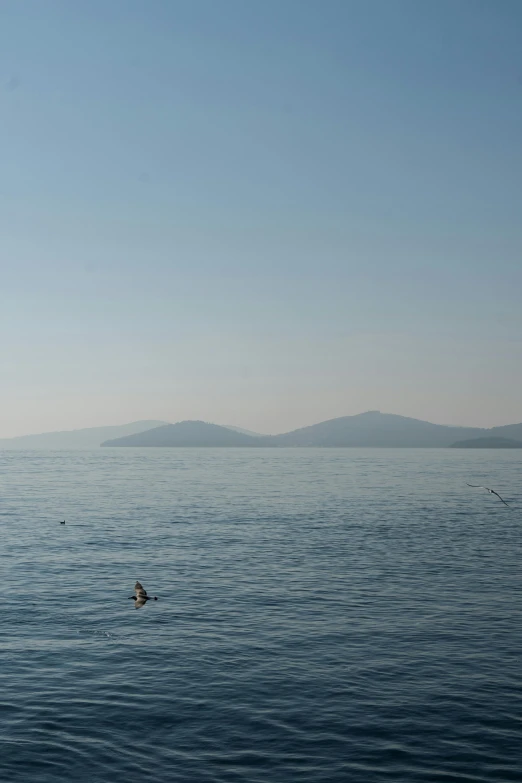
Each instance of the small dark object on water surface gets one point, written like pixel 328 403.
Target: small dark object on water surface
pixel 141 597
pixel 491 492
pixel 62 523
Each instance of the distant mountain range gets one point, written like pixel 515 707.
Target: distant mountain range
pixel 89 438
pixel 365 429
pixel 245 432
pixel 188 433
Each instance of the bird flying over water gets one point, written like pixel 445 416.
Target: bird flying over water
pixel 491 492
pixel 141 597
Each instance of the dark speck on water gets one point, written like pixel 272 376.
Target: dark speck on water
pixel 333 615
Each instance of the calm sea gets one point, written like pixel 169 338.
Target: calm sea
pixel 324 615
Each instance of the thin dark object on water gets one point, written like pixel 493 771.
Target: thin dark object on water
pixel 141 597
pixel 491 492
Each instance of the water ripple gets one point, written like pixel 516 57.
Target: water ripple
pixel 330 615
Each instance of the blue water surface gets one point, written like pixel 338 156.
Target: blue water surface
pixel 337 615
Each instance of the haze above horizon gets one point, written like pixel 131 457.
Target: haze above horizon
pixel 265 214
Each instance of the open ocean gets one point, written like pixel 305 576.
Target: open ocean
pixel 336 615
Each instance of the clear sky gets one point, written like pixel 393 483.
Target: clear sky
pixel 260 212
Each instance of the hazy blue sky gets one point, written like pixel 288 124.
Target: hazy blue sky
pixel 260 212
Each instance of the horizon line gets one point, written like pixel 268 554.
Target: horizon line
pixel 163 422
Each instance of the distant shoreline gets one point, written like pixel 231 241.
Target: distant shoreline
pixel 365 430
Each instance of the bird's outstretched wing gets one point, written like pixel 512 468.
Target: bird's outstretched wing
pixel 140 590
pixel 498 496
pixel 492 491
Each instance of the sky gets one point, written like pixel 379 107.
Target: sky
pixel 264 213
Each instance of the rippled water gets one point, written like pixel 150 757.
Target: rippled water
pixel 324 615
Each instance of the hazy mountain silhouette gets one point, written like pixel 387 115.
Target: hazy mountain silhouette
pixel 488 443
pixel 365 429
pixel 507 431
pixel 245 432
pixel 187 433
pixel 375 429
pixel 89 438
